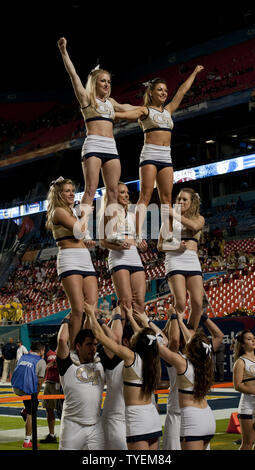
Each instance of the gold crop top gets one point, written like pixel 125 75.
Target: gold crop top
pixel 185 381
pixel 104 111
pixel 249 369
pixel 132 375
pixel 62 233
pixel 156 121
pixel 188 234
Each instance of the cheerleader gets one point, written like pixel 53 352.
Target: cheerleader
pixel 183 270
pixel 124 261
pixel 99 151
pixel 244 382
pixel 141 373
pixel 155 119
pixel 195 376
pixel 74 266
pixel 113 414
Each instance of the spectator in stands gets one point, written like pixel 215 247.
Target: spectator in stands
pixel 232 223
pixel 125 264
pixel 222 244
pixel 74 265
pixel 231 262
pixel 155 161
pixel 241 260
pixel 182 265
pixel 9 353
pixel 99 150
pixel 27 379
pixel 243 378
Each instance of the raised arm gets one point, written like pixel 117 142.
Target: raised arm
pixel 122 351
pixel 182 90
pixel 217 334
pixel 173 358
pixel 63 338
pixel 116 325
pixel 142 318
pixel 132 320
pixel 187 332
pixel 173 331
pixel 78 87
pixel 193 224
pixel 113 331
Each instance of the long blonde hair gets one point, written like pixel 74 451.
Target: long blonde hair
pixel 91 85
pixel 54 199
pixel 121 214
pixel 194 210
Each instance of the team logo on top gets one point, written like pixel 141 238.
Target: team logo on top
pixel 87 375
pixel 162 120
pixel 105 110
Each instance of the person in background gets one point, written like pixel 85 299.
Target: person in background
pixel 1 360
pixel 244 382
pixel 21 350
pixel 52 387
pixel 9 352
pixel 27 379
pixel 219 363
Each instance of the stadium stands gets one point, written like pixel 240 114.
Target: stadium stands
pixel 38 290
pixel 226 71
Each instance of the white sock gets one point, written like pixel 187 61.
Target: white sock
pixel 28 438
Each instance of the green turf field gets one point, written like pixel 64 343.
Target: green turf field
pixel 221 440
